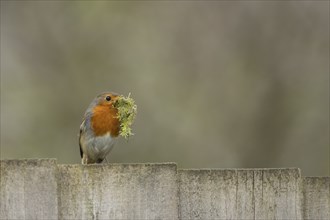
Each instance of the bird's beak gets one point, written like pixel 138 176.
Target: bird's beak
pixel 115 99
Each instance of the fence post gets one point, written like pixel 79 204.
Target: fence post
pixel 118 191
pixel 239 194
pixel 28 189
pixel 316 197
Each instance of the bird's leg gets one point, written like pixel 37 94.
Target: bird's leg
pixel 84 160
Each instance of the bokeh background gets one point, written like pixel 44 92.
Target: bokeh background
pixel 218 84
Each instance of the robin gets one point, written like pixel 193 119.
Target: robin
pixel 100 128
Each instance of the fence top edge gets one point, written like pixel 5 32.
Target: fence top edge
pixel 52 161
pixel 240 169
pixel 29 159
pixel 120 164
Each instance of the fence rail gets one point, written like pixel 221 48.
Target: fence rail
pixel 43 189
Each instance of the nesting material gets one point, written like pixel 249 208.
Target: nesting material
pixel 127 110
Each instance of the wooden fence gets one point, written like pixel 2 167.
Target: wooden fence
pixel 43 189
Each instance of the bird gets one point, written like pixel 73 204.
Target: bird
pixel 99 129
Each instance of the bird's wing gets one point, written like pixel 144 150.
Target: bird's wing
pixel 82 128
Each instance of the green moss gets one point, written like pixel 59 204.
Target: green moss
pixel 126 114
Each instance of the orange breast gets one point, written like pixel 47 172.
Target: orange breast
pixel 104 120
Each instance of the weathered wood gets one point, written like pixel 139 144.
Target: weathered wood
pixel 316 197
pixel 28 189
pixel 239 194
pixel 118 191
pixel 41 189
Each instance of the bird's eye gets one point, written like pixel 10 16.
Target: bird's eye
pixel 108 98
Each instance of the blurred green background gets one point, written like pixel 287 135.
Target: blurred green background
pixel 217 84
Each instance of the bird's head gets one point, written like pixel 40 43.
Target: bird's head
pixel 106 99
